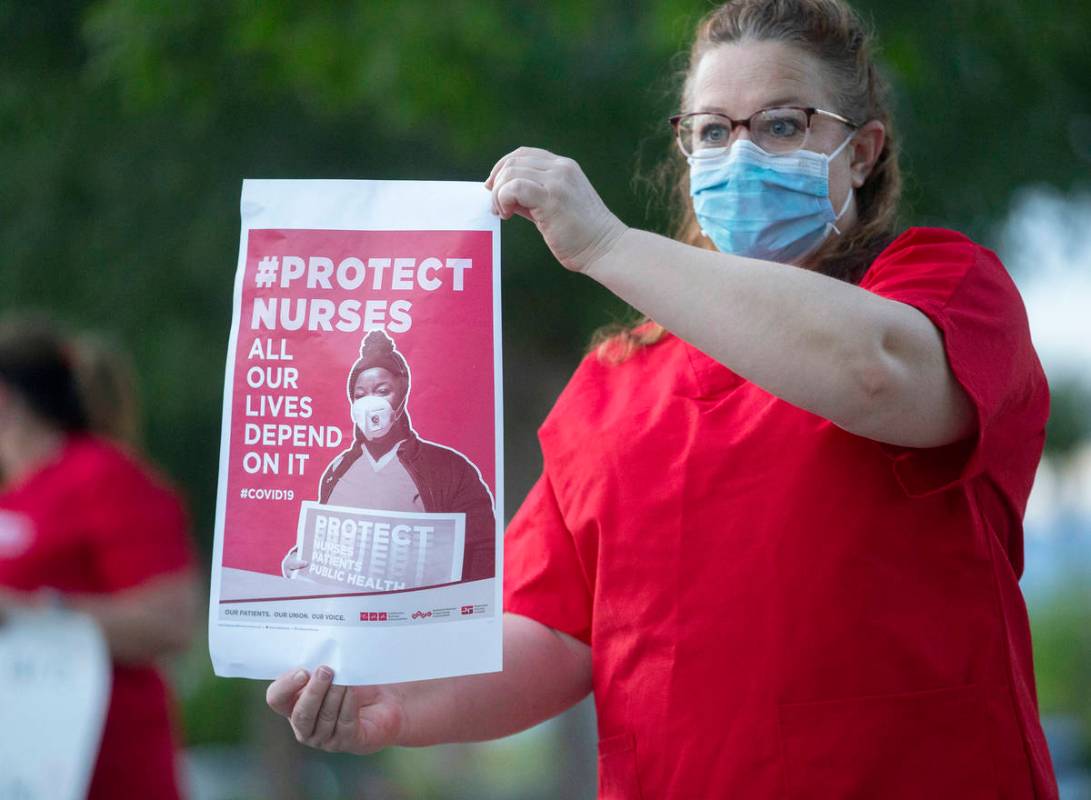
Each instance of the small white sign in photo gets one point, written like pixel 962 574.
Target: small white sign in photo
pixel 54 689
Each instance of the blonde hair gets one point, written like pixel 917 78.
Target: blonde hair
pixel 831 32
pixel 107 384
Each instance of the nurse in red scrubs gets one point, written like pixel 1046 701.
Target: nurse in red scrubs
pixel 778 530
pixel 85 525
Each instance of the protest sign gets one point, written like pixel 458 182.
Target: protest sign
pixel 384 551
pixel 359 509
pixel 54 689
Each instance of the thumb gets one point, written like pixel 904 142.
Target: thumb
pixel 282 694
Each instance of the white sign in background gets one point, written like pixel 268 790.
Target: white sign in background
pixel 54 691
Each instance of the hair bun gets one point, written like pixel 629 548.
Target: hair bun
pixel 378 350
pixel 377 343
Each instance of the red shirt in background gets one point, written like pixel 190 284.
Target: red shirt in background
pixel 778 608
pixel 96 521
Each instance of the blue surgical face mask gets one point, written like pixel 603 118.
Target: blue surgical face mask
pixel 764 205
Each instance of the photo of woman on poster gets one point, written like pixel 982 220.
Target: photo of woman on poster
pixel 390 467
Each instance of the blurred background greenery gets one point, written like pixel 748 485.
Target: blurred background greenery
pixel 126 127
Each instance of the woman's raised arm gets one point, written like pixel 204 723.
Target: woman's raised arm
pixel 873 366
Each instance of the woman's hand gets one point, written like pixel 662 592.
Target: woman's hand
pixel 556 196
pixel 338 719
pixel 469 708
pixel 12 601
pixel 291 565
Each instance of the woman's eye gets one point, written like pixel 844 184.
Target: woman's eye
pixel 714 134
pixel 783 128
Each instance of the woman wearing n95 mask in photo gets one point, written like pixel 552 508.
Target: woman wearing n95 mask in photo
pixel 373 414
pixel 389 467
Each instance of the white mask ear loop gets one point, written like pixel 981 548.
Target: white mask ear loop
pixel 841 213
pixel 850 194
pixel 840 147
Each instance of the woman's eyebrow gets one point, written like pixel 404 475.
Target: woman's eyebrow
pixel 778 102
pixel 785 100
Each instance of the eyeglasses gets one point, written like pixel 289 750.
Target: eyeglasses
pixel 707 134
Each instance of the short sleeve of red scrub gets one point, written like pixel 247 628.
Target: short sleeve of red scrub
pixel 139 525
pixel 966 292
pixel 543 576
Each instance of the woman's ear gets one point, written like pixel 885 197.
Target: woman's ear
pixel 401 387
pixel 864 150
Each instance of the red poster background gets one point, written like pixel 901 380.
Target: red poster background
pixel 449 350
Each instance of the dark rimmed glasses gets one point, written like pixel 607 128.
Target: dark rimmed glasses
pixel 707 134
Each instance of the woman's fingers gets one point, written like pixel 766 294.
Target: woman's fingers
pixel 282 693
pixel 350 734
pixel 292 563
pixel 533 169
pixel 518 188
pixel 328 714
pixel 304 716
pixel 525 155
pixel 520 196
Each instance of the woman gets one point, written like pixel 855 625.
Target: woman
pixel 780 543
pixel 389 467
pixel 88 527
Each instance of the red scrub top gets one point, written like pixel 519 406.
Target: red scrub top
pixel 95 521
pixel 778 608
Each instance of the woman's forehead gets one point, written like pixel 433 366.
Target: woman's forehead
pixel 375 375
pixel 740 78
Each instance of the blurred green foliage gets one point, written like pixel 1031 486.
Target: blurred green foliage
pixel 216 712
pixel 1069 417
pixel 1062 656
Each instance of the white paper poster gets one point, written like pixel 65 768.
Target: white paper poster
pixel 54 689
pixel 359 515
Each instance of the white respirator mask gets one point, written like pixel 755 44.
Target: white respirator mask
pixel 374 416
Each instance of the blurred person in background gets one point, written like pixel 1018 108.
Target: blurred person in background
pixel 108 389
pixel 86 525
pixel 779 529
